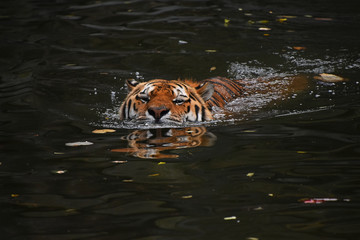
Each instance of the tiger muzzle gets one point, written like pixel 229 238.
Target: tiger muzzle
pixel 158 112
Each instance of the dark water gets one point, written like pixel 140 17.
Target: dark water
pixel 282 169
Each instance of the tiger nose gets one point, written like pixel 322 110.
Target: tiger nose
pixel 158 112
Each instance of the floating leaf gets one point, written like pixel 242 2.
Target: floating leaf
pixel 230 218
pixel 249 131
pixel 318 200
pixel 270 194
pixel 154 175
pixel 263 21
pixel 128 180
pixel 323 19
pixel 101 131
pixel 226 22
pixel 325 77
pixel 77 144
pixel 59 171
pixel 186 196
pixel 14 195
pixel 182 42
pixel 301 152
pixel 250 174
pixel 212 69
pixel 299 48
pixel 210 51
pixel 264 29
pixel 120 162
pixel 161 163
pixel 281 20
pixel 258 209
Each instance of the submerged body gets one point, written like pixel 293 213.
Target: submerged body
pixel 178 101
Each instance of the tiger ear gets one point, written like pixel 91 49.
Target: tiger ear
pixel 131 83
pixel 205 90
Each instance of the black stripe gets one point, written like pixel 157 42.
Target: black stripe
pixel 213 102
pixel 197 111
pixel 192 97
pixel 124 111
pixel 203 113
pixel 235 85
pixel 182 85
pixel 231 92
pixel 128 109
pixel 220 95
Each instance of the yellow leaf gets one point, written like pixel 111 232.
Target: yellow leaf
pixel 210 50
pixel 226 22
pixel 299 48
pixel 161 163
pixel 282 20
pixel 325 77
pixel 186 197
pixel 301 152
pixel 14 195
pixel 250 174
pixel 101 131
pixel 230 218
pixel 154 175
pixel 212 69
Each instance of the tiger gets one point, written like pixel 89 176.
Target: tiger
pixel 178 101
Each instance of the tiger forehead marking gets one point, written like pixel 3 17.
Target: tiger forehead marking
pixel 172 101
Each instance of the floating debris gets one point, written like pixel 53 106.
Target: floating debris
pixel 154 175
pixel 102 131
pixel 320 200
pixel 264 29
pixel 230 218
pixel 326 77
pixel 59 171
pixel 127 180
pixel 77 144
pixel 299 48
pixel 182 42
pixel 250 174
pixel 186 196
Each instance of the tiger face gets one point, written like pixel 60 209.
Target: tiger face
pixel 167 101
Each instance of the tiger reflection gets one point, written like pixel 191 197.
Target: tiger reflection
pixel 151 143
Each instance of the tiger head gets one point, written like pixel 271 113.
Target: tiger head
pixel 167 101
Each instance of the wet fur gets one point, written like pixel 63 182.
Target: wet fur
pixel 178 101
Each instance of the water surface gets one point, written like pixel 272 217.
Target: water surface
pixel 277 168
